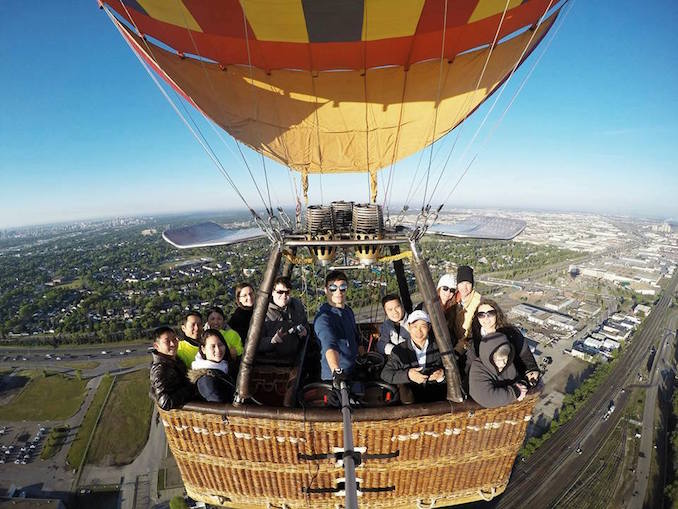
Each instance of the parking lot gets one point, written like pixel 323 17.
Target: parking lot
pixel 21 444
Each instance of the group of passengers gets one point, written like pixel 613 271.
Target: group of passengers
pixel 492 355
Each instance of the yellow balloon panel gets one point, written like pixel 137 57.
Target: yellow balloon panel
pixel 344 121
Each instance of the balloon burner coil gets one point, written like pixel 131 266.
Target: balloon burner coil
pixel 343 216
pixel 368 224
pixel 320 226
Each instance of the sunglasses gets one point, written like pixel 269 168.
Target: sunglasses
pixel 282 292
pixel 333 288
pixel 446 289
pixel 487 314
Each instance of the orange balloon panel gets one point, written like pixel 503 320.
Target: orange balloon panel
pixel 341 121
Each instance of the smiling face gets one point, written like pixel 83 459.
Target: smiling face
pixel 215 320
pixel 394 310
pixel 166 344
pixel 446 294
pixel 336 293
pixel 214 349
pixel 192 326
pixel 281 295
pixel 464 288
pixel 419 331
pixel 487 316
pixel 246 297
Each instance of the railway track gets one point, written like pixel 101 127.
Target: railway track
pixel 541 480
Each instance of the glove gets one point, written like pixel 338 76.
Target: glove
pixel 338 376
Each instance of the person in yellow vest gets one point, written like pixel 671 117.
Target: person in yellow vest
pixel 191 328
pixel 217 320
pixel 465 309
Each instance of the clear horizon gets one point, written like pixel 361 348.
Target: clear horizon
pixel 86 134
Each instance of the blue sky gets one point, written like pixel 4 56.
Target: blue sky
pixel 85 133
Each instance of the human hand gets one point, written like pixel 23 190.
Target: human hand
pixel 338 376
pixel 523 391
pixel 277 337
pixel 416 376
pixel 437 376
pixel 462 346
pixel 302 331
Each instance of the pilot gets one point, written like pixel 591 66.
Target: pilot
pixel 336 330
pixel 394 329
pixel 191 328
pixel 415 365
pixel 286 323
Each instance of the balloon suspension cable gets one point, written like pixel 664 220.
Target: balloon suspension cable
pixel 210 121
pixel 498 122
pixel 464 106
pixel 196 133
pixel 285 219
pixel 425 219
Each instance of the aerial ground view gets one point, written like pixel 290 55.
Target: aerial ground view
pixel 293 254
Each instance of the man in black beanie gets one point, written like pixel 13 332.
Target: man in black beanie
pixel 466 308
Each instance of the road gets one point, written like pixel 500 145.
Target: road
pixel 549 472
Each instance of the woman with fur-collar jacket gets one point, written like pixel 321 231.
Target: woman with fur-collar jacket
pixel 210 369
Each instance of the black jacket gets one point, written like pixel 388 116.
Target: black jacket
pixel 403 358
pixel 240 322
pixel 286 318
pixel 213 385
pixel 169 385
pixel 523 361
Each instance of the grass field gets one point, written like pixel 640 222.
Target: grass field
pixel 125 423
pixel 52 397
pixel 130 362
pixel 77 450
pixel 55 440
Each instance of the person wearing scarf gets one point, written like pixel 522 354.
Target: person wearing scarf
pixel 210 369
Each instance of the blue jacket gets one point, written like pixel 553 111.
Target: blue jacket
pixel 335 329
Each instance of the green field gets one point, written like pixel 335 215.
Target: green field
pixel 125 423
pixel 50 397
pixel 130 362
pixel 77 450
pixel 81 364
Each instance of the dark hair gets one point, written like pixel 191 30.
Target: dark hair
pixel 335 275
pixel 217 310
pixel 203 340
pixel 239 288
pixel 283 280
pixel 502 321
pixel 191 313
pixel 159 331
pixel 389 298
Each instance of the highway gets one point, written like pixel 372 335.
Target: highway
pixel 543 478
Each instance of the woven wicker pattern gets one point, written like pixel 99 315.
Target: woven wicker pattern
pixel 262 462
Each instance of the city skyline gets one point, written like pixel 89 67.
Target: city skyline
pixel 86 134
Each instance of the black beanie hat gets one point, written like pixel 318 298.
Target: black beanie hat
pixel 464 273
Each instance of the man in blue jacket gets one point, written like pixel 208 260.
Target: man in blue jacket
pixel 336 330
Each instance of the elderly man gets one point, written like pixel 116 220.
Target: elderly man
pixel 393 331
pixel 286 323
pixel 415 365
pixel 336 330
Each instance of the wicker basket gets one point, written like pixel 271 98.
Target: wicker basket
pixel 427 455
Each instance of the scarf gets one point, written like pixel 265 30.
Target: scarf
pixel 200 363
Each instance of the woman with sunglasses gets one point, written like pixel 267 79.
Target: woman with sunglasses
pixel 447 295
pixel 488 320
pixel 286 323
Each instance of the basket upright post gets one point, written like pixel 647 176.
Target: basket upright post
pixel 242 384
pixel 439 325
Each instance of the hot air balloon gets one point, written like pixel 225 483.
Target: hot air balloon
pixel 323 87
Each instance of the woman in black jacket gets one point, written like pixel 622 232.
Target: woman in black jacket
pixel 490 319
pixel 244 302
pixel 210 369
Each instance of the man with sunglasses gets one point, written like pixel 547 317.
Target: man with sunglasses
pixel 285 325
pixel 336 330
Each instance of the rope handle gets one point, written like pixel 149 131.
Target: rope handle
pixel 488 497
pixel 421 504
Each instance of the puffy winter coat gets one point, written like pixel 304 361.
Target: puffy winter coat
pixel 214 385
pixel 488 386
pixel 169 385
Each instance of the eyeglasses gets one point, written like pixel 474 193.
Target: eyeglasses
pixel 282 292
pixel 487 314
pixel 446 289
pixel 342 287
